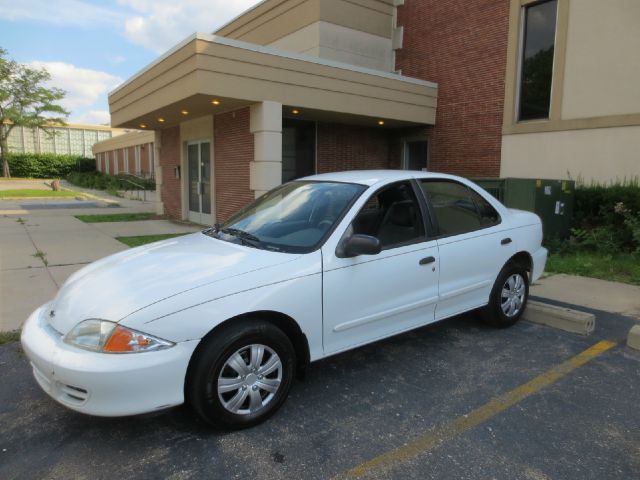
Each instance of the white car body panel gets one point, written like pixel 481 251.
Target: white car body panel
pixel 116 286
pixel 181 289
pixel 372 297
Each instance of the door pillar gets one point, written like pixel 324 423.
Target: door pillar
pixel 265 171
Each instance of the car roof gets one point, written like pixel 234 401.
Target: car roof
pixel 373 177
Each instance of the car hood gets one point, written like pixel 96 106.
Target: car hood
pixel 118 285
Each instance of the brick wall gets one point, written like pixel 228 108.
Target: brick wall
pixel 169 159
pixel 462 45
pixel 233 151
pixel 347 147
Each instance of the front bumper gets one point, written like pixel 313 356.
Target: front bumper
pixel 104 384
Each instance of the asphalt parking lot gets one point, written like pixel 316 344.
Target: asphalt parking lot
pixel 451 400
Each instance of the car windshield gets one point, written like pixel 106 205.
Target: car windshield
pixel 294 218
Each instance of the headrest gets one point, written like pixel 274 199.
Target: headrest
pixel 402 214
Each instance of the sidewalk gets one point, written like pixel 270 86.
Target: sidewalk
pixel 612 297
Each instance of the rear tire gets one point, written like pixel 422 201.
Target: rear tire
pixel 241 375
pixel 508 298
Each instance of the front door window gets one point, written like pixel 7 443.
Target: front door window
pixel 199 166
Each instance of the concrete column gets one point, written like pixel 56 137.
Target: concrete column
pixel 157 170
pixel 266 126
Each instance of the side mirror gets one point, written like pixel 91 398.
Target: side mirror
pixel 361 245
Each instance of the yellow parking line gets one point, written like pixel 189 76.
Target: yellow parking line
pixel 432 440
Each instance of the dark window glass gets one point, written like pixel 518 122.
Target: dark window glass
pixel 294 217
pixel 416 155
pixel 457 208
pixel 298 149
pixel 392 215
pixel 537 60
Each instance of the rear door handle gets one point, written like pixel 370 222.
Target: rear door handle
pixel 427 260
pixel 505 241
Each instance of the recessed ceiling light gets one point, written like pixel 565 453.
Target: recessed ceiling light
pixel 161 120
pixel 185 112
pixel 295 111
pixel 215 102
pixel 142 125
pixel 380 122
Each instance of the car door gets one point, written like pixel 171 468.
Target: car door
pixel 473 244
pixel 368 297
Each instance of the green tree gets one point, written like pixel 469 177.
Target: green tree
pixel 25 101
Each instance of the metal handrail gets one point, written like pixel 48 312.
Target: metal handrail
pixel 139 187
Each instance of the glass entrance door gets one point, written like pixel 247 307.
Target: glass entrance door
pixel 416 155
pixel 199 164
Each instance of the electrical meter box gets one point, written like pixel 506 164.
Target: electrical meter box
pixel 551 200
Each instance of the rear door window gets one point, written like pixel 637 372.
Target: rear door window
pixel 457 208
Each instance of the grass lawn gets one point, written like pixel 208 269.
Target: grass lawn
pixel 29 193
pixel 9 337
pixel 144 239
pixel 117 217
pixel 621 267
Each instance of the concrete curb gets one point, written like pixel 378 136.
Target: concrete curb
pixel 561 318
pixel 90 196
pixel 633 338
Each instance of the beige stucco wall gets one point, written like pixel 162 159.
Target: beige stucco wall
pixel 602 69
pixel 206 67
pixel 339 43
pixel 600 155
pixel 125 140
pixel 274 19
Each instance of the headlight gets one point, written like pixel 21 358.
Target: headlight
pixel 109 337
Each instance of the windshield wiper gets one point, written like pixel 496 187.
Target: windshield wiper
pixel 246 237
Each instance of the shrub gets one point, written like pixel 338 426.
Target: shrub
pixel 47 165
pixel 111 183
pixel 606 219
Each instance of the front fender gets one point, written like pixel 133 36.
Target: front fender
pixel 294 289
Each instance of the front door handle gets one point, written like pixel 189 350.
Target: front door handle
pixel 505 241
pixel 427 260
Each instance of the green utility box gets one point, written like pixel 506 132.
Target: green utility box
pixel 551 200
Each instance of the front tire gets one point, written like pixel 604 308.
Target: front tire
pixel 508 298
pixel 241 375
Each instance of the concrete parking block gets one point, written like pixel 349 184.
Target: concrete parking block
pixel 562 318
pixel 633 338
pixel 21 292
pixel 143 227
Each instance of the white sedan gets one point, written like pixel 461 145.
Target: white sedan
pixel 224 319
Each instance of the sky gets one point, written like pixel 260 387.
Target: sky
pixel 90 47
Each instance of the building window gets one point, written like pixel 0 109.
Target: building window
pixel 298 149
pixel 415 154
pixel 536 65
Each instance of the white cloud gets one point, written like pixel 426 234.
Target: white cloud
pixel 154 24
pixel 159 24
pixel 61 12
pixel 94 117
pixel 86 89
